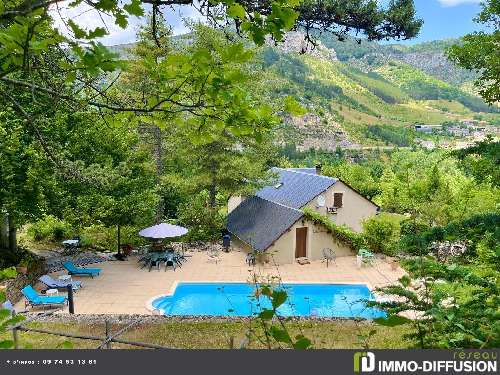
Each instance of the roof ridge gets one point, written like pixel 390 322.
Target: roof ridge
pixel 279 204
pixel 309 174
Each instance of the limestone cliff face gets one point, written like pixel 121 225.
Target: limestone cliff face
pixel 294 42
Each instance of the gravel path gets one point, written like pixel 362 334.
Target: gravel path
pixel 54 262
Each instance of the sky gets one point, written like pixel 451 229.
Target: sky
pixel 442 19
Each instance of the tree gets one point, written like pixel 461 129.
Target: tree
pixel 26 179
pixel 226 150
pixel 27 36
pixel 124 192
pixel 479 51
pixel 382 233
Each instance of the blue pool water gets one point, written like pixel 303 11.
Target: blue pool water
pixel 237 299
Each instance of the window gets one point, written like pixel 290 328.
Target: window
pixel 338 200
pixel 278 185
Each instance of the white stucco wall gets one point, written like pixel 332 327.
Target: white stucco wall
pixel 283 249
pixel 355 207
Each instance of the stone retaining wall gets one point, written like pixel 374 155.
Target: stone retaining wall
pixel 14 286
pixel 156 319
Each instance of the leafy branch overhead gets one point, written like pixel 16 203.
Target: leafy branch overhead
pixel 28 34
pixel 479 51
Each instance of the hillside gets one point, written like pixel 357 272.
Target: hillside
pixel 371 94
pixel 368 93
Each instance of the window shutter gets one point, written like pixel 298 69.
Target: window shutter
pixel 338 199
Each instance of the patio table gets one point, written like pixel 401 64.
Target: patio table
pixel 70 242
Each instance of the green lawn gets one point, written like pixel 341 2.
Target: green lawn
pixel 213 334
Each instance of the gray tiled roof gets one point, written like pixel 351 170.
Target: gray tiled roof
pixel 259 222
pixel 303 170
pixel 296 188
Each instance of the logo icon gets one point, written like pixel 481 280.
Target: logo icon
pixel 364 362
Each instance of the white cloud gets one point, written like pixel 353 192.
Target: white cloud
pixel 452 3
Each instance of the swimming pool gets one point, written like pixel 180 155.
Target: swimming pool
pixel 237 299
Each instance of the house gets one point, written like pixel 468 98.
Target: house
pixel 272 220
pixel 428 129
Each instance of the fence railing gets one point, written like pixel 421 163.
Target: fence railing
pixel 105 341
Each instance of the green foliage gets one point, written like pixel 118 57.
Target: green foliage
pixel 204 222
pixel 399 136
pixel 100 237
pixel 472 230
pixel 360 177
pixel 7 273
pixel 459 311
pixel 422 86
pixel 275 331
pixel 392 321
pixel 431 187
pixel 481 161
pixel 382 232
pixel 384 89
pixel 341 232
pixel 49 228
pixel 479 52
pixel 6 317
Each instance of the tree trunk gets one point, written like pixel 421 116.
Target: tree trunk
pixel 4 231
pixel 118 239
pixel 212 200
pixel 12 234
pixel 158 154
pixel 152 136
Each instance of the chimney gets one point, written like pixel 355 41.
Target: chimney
pixel 318 169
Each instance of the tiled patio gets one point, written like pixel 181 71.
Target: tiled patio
pixel 125 288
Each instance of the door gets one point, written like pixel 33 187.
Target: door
pixel 300 242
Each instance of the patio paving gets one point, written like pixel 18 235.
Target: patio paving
pixel 125 288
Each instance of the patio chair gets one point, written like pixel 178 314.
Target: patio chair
pixel 170 260
pixel 145 257
pixel 329 255
pixel 73 270
pixel 367 257
pixel 155 259
pixel 250 259
pixel 34 299
pixel 59 284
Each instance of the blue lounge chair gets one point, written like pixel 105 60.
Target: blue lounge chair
pixel 59 284
pixel 34 299
pixel 73 270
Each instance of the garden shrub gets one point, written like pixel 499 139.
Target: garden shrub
pixel 412 241
pixel 472 230
pixel 100 237
pixel 49 228
pixel 382 232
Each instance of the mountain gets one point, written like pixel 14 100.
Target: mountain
pixel 371 93
pixel 366 93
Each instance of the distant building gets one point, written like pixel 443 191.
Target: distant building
pixel 458 131
pixel 429 145
pixel 468 122
pixel 428 129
